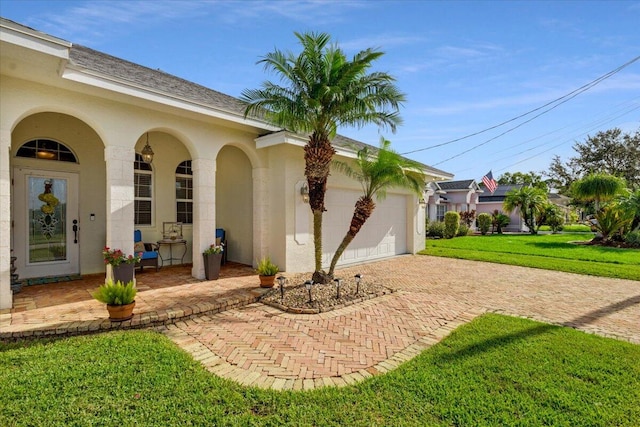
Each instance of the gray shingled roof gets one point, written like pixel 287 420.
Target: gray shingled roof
pixel 456 185
pixel 158 81
pixel 154 80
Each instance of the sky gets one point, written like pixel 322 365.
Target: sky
pixel 466 67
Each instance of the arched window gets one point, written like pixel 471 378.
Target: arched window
pixel 46 149
pixel 184 193
pixel 143 200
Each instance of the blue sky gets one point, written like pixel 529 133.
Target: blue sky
pixel 465 66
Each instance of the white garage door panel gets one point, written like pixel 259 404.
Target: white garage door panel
pixel 383 235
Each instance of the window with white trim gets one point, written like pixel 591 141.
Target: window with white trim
pixel 143 197
pixel 184 193
pixel 442 209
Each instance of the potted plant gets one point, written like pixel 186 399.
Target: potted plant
pixel 267 272
pixel 120 299
pixel 212 261
pixel 122 265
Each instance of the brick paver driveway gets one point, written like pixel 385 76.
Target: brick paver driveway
pixel 262 346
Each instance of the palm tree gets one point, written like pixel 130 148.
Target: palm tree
pixel 597 187
pixel 376 172
pixel 322 90
pixel 631 203
pixel 530 201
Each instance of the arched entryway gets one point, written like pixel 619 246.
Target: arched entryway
pixel 58 196
pixel 234 203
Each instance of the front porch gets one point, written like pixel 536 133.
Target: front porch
pixel 67 308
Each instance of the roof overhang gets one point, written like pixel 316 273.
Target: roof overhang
pixel 13 33
pixel 113 84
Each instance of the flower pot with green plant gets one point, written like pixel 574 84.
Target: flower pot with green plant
pixel 267 272
pixel 212 260
pixel 120 299
pixel 122 265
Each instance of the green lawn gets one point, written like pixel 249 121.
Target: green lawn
pixel 497 370
pixel 547 251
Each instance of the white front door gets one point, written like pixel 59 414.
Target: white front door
pixel 46 229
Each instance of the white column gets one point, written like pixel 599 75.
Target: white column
pixel 260 212
pixel 204 211
pixel 6 298
pixel 120 197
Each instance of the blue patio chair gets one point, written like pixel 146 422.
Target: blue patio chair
pixel 221 238
pixel 149 251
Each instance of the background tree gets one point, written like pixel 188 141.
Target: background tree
pixel 611 152
pixel 322 90
pixel 376 172
pixel 529 201
pixel 631 202
pixel 597 187
pixel 550 215
pixel 530 178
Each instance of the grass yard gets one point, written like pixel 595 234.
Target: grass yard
pixel 546 251
pixel 496 370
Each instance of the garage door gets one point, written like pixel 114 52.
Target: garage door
pixel 383 235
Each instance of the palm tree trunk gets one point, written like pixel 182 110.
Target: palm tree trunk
pixel 363 209
pixel 318 153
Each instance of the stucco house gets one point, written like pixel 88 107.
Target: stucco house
pixel 73 126
pixel 467 195
pixel 490 202
pixel 457 196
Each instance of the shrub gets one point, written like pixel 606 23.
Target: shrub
pixel 468 217
pixel 633 238
pixel 435 229
pixel 451 224
pixel 484 223
pixel 463 230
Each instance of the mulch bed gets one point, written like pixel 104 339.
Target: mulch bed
pixel 323 297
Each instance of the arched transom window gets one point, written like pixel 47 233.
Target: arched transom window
pixel 46 149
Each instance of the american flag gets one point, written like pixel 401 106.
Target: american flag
pixel 489 182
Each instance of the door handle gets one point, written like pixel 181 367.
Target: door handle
pixel 75 231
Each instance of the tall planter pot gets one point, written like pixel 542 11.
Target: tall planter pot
pixel 212 264
pixel 123 273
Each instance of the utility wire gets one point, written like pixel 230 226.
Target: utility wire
pixel 595 124
pixel 566 98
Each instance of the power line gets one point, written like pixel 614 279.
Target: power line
pixel 564 98
pixel 593 125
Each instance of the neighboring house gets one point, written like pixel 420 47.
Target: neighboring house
pixel 491 202
pixel 458 196
pixel 74 123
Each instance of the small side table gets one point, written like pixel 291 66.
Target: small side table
pixel 171 244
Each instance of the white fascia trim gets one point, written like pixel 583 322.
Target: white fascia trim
pixel 22 36
pixel 284 137
pixel 127 88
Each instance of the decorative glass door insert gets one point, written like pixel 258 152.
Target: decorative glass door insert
pixel 47 219
pixel 46 232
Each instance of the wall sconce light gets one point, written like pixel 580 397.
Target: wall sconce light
pixel 422 202
pixel 281 281
pixel 147 152
pixel 304 192
pixel 358 278
pixel 309 284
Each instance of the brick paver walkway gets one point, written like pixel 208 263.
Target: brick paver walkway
pixel 261 346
